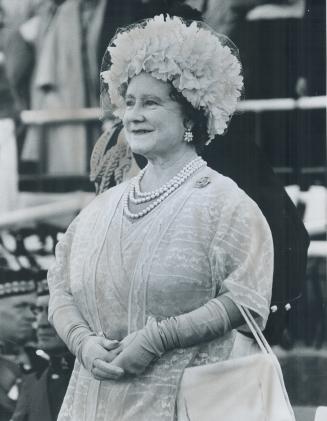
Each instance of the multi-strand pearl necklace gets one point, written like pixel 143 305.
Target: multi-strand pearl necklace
pixel 158 195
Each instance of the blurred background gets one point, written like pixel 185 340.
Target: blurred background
pixel 50 59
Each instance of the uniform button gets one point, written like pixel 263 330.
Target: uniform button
pixel 288 306
pixel 273 309
pixel 55 376
pixel 27 367
pixel 13 393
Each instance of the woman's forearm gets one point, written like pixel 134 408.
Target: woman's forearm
pixel 213 319
pixel 71 327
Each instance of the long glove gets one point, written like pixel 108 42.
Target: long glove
pixel 203 324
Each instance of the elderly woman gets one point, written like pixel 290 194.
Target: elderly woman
pixel 150 275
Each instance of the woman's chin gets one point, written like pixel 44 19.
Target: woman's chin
pixel 141 148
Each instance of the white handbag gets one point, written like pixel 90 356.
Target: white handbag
pixel 249 388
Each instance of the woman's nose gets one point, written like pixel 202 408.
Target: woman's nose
pixel 134 113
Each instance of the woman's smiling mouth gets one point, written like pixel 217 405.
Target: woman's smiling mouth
pixel 141 131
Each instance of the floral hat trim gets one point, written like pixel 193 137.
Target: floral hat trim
pixel 193 58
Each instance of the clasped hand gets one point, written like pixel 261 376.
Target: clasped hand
pixel 110 360
pixel 97 354
pixel 136 355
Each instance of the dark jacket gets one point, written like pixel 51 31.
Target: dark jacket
pixel 42 393
pixel 12 374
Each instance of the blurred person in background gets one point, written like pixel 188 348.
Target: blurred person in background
pixel 17 299
pixel 18 11
pixel 64 46
pixel 22 47
pixel 8 144
pixel 42 392
pixel 15 13
pixel 6 98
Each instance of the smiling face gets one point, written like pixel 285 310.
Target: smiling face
pixel 153 121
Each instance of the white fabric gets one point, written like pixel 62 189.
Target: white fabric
pixel 111 275
pixel 315 215
pixel 294 10
pixel 30 29
pixel 321 413
pixel 8 166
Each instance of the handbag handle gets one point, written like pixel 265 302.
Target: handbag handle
pixel 266 349
pixel 255 330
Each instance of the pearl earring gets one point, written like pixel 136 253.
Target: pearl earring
pixel 188 136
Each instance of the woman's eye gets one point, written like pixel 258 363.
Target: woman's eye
pixel 150 102
pixel 129 103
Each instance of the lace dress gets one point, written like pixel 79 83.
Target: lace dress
pixel 112 274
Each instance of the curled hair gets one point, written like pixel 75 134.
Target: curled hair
pixel 197 117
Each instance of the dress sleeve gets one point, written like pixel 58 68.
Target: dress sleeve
pixel 242 257
pixel 63 312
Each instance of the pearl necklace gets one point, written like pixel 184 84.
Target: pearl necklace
pixel 136 196
pixel 160 194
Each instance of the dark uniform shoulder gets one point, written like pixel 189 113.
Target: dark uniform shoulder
pixel 10 379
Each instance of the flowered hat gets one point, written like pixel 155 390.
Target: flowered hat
pixel 201 64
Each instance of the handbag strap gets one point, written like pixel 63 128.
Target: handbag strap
pixel 266 349
pixel 255 330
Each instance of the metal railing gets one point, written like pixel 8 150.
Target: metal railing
pixel 42 117
pixel 68 205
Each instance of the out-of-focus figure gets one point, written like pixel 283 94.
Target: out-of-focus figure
pixel 43 391
pixel 63 46
pixel 17 298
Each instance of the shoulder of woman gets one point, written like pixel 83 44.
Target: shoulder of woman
pixel 219 186
pixel 106 199
pixel 223 193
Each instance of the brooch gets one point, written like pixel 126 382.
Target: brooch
pixel 202 182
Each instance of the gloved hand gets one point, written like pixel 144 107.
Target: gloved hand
pixel 97 353
pixel 140 348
